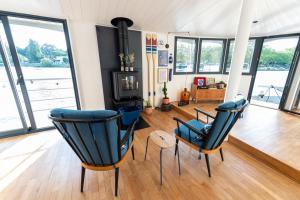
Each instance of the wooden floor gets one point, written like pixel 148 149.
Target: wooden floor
pixel 42 166
pixel 271 135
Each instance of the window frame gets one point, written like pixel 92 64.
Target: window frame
pixel 175 55
pixel 222 57
pixel 252 64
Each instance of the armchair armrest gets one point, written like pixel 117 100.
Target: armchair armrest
pixel 205 113
pixel 129 132
pixel 198 132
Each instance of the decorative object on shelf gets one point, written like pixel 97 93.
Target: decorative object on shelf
pixel 154 59
pixel 166 99
pixel 210 81
pixel 163 58
pixel 131 60
pixel 221 85
pixel 148 108
pixel 185 96
pixel 170 74
pixel 127 62
pixel 165 106
pixel 121 55
pixel 167 44
pixel 161 43
pixel 162 75
pixel 170 58
pixel 200 81
pixel 149 55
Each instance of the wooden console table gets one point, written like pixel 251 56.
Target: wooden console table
pixel 207 94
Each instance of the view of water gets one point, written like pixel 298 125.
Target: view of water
pixel 48 88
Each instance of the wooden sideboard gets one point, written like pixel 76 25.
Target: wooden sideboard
pixel 207 94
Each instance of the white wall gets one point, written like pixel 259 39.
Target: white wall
pixel 87 64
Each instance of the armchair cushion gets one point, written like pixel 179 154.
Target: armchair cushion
pixel 195 139
pixel 234 104
pixel 82 114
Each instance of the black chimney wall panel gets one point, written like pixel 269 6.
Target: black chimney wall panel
pixel 110 61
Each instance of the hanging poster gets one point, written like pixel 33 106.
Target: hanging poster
pixel 162 58
pixel 162 75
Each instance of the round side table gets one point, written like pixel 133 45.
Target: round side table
pixel 164 141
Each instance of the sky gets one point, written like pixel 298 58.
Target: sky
pixel 22 34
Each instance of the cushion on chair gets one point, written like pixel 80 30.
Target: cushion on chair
pixel 195 139
pixel 237 102
pixel 82 114
pixel 107 144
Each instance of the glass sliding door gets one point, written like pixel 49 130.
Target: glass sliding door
pixel 272 71
pixel 36 73
pixel 12 118
pixel 44 61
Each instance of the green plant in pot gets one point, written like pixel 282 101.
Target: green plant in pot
pixel 148 107
pixel 221 85
pixel 166 99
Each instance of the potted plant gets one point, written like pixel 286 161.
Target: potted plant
pixel 148 107
pixel 166 99
pixel 221 85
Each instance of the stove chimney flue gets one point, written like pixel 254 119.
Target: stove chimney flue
pixel 122 23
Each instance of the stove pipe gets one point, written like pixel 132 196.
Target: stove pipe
pixel 122 24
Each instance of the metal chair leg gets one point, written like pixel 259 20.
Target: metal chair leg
pixel 82 178
pixel 178 159
pixel 176 146
pixel 221 152
pixel 161 166
pixel 116 181
pixel 207 164
pixel 132 152
pixel 146 147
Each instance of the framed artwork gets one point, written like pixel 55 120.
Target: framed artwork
pixel 200 81
pixel 162 75
pixel 210 81
pixel 163 58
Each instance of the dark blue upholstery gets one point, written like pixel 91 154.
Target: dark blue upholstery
pixel 215 132
pixel 183 131
pixel 96 143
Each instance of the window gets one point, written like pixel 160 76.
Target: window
pixel 248 57
pixel 185 55
pixel 211 55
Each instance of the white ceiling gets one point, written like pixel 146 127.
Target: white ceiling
pixel 213 18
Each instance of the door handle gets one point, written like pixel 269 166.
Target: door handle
pixel 20 80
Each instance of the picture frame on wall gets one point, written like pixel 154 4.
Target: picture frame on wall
pixel 163 58
pixel 162 75
pixel 210 81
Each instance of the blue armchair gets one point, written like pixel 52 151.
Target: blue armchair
pixel 207 137
pixel 96 138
